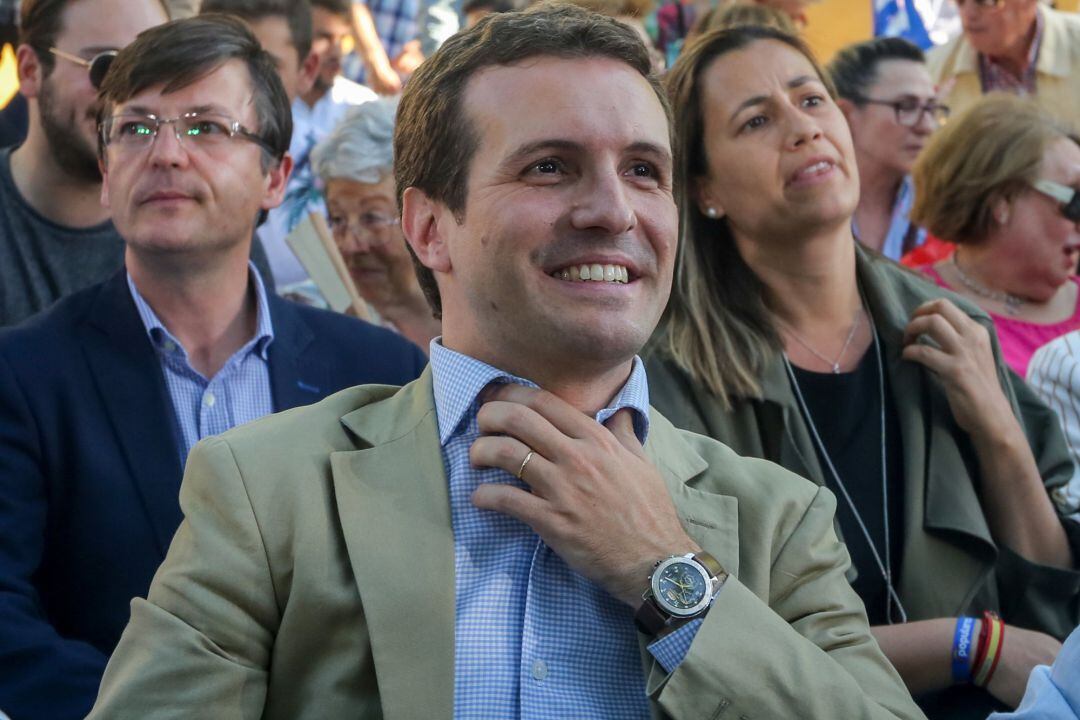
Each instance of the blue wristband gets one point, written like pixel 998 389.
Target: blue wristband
pixel 962 650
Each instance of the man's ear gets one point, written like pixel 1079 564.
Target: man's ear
pixel 424 223
pixel 277 178
pixel 30 71
pixel 309 68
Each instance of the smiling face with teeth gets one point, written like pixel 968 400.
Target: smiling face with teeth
pixel 562 259
pixel 779 153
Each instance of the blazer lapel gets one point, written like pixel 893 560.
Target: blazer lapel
pixel 394 506
pixel 132 388
pixel 295 379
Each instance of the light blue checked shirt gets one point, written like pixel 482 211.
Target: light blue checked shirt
pixel 239 393
pixel 533 639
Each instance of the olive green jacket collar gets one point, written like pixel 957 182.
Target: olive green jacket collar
pixel 931 569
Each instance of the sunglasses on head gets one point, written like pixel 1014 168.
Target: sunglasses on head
pixel 1067 196
pixel 97 66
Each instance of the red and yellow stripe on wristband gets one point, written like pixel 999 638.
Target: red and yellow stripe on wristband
pixel 987 661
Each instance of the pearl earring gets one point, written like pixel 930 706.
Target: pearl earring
pixel 711 212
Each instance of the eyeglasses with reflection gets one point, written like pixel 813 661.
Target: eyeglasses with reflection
pixel 194 130
pixel 1067 196
pixel 909 111
pixel 96 66
pixel 372 223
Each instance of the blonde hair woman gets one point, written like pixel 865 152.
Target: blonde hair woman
pixel 996 182
pixel 786 341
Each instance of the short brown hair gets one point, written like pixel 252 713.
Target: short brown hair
pixel 435 140
pixel 992 151
pixel 182 52
pixel 716 327
pixel 295 13
pixel 41 21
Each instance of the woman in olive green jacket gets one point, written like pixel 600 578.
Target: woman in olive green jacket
pixel 785 341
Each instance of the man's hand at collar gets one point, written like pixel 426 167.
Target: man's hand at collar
pixel 596 499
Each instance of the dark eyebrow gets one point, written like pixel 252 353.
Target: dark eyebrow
pixel 760 99
pixel 648 148
pixel 142 110
pixel 528 149
pixel 532 148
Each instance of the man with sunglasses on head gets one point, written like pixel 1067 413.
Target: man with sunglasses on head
pixel 1017 46
pixel 55 237
pixel 102 396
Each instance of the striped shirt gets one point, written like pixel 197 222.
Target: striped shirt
pixel 1054 374
pixel 533 638
pixel 238 393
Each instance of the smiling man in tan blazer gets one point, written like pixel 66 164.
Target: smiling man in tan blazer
pixel 330 565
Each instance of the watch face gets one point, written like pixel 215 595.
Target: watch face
pixel 681 587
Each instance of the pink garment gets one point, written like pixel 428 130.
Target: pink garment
pixel 1019 339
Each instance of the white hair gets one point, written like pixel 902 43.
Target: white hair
pixel 361 147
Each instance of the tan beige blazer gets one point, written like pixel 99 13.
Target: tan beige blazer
pixel 313 577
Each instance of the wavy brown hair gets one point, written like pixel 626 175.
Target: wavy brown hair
pixel 992 151
pixel 716 327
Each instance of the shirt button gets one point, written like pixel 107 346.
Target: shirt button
pixel 539 669
pixel 209 399
pixel 170 346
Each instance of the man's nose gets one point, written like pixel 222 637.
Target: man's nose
pixel 166 147
pixel 604 204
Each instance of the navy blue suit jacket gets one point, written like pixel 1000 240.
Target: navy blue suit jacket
pixel 90 471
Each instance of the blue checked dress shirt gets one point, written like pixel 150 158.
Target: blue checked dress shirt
pixel 238 393
pixel 533 639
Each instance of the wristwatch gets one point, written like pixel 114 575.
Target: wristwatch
pixel 681 587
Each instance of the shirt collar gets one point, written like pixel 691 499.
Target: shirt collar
pixel 164 341
pixel 458 379
pixel 1027 79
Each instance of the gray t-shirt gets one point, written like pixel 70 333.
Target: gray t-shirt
pixel 41 261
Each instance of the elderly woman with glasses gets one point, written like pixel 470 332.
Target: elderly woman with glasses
pixel 786 340
pixel 997 182
pixel 889 100
pixel 355 163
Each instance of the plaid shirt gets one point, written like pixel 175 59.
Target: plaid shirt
pixel 996 78
pixel 238 393
pixel 395 21
pixel 533 639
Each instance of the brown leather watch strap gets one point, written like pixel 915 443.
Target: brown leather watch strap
pixel 649 618
pixel 712 565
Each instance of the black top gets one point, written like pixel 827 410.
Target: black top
pixel 846 409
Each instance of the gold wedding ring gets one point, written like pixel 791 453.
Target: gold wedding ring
pixel 521 470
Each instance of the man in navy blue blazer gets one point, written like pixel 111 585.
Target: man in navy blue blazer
pixel 102 396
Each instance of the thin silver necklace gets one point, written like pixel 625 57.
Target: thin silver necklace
pixel 885 567
pixel 833 364
pixel 1011 302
